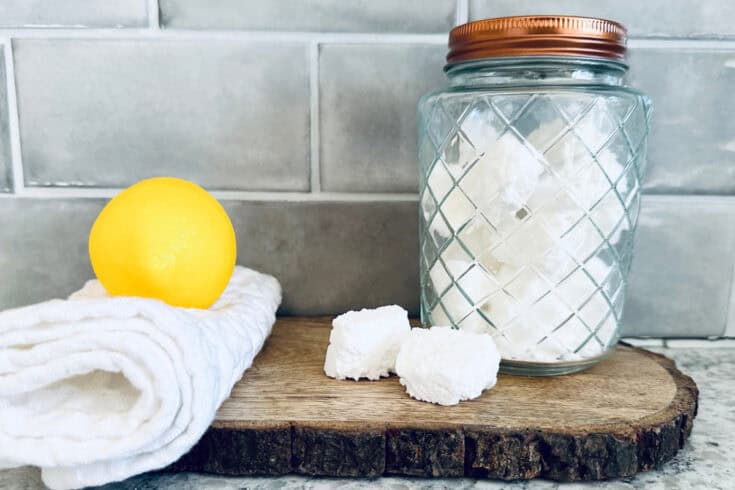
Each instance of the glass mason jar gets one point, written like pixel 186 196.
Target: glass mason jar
pixel 530 172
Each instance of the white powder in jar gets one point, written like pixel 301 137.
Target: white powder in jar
pixel 529 221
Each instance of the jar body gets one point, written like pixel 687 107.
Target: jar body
pixel 529 198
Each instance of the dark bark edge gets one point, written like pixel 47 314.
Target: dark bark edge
pixel 351 450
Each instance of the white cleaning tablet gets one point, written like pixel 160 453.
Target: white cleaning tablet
pixel 444 366
pixel 364 344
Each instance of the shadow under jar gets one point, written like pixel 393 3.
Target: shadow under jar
pixel 530 171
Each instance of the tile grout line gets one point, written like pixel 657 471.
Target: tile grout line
pixel 153 15
pixel 463 12
pixel 225 195
pixel 664 43
pixel 729 330
pixel 153 33
pixel 16 156
pixel 233 35
pixel 699 343
pixel 105 192
pixel 314 119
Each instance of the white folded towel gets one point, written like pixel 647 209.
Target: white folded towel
pixel 96 389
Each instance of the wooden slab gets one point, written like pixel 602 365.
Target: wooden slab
pixel 630 413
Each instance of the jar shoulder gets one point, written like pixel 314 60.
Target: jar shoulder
pixel 455 101
pixel 584 91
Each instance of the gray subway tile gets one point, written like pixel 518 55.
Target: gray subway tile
pixel 73 13
pixel 329 256
pixel 226 114
pixel 311 15
pixel 43 248
pixel 682 267
pixel 332 256
pixel 6 180
pixel 368 96
pixel 654 18
pixel 692 143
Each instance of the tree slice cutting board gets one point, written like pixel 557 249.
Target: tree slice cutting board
pixel 630 413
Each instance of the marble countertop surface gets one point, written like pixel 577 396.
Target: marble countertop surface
pixel 707 462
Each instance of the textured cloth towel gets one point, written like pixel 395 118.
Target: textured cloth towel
pixel 95 389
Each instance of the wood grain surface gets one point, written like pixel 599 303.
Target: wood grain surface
pixel 631 412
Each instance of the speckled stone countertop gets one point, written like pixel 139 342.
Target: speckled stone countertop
pixel 707 462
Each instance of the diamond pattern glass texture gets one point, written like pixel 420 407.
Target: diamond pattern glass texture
pixel 528 206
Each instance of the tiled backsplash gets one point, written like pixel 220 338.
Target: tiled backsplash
pixel 300 116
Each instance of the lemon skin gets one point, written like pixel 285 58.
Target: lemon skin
pixel 164 238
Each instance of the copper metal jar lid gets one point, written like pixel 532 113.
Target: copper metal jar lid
pixel 537 35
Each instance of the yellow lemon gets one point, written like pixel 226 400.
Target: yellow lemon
pixel 164 238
